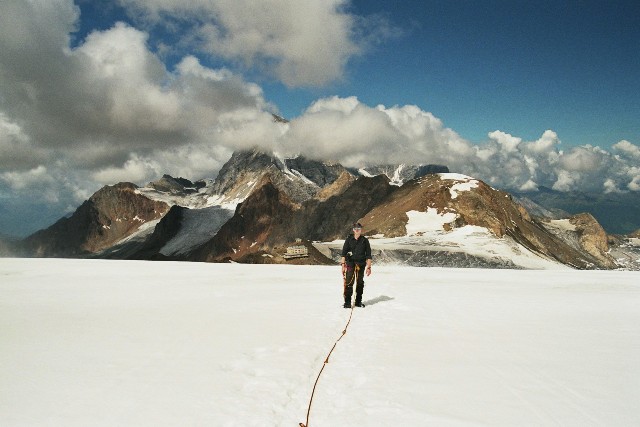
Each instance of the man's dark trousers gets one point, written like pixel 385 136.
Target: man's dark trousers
pixel 356 270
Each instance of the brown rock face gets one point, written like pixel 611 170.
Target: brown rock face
pixel 593 239
pixel 111 214
pixel 476 203
pixel 264 211
pixel 338 187
pixel 481 205
pixel 332 218
pixel 246 169
pixel 268 219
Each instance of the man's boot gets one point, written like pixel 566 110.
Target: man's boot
pixel 348 291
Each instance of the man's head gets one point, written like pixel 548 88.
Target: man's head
pixel 357 229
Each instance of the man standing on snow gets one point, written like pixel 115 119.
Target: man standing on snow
pixel 355 261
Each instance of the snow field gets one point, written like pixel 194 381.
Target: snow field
pixel 97 342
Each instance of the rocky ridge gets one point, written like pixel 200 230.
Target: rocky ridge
pixel 260 203
pixel 618 213
pixel 109 215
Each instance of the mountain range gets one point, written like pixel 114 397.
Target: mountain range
pixel 618 213
pixel 261 203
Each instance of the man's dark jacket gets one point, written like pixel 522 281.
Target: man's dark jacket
pixel 360 249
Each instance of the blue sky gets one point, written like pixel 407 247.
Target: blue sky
pixel 519 94
pixel 519 66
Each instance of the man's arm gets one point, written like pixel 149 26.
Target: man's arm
pixel 345 249
pixel 368 257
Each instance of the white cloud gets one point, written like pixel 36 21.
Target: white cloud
pixel 583 159
pixel 302 43
pixel 345 130
pixel 530 185
pixel 626 148
pixel 16 150
pixel 508 142
pixel 565 181
pixel 35 177
pixel 134 169
pixel 610 186
pixel 545 144
pixel 107 109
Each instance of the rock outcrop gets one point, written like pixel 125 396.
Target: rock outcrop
pixel 254 221
pixel 245 171
pixel 399 174
pixel 267 220
pixel 472 202
pixel 170 184
pixel 111 214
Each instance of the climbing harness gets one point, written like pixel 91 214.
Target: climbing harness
pixel 344 332
pixel 354 279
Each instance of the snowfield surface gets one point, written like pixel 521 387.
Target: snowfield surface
pixel 134 343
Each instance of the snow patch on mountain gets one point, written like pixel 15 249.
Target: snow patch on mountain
pixel 396 179
pixel 431 220
pixel 186 200
pixel 462 186
pixel 466 183
pixel 224 202
pixel 455 177
pixel 472 240
pixel 428 244
pixel 197 227
pixel 141 233
pixel 364 173
pixel 204 197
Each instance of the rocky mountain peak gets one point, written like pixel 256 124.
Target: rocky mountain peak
pixel 320 173
pixel 399 174
pixel 255 219
pixel 169 184
pixel 110 214
pixel 299 178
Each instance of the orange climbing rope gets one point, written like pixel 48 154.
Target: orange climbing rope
pixel 326 360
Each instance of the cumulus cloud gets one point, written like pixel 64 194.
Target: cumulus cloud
pixel 509 143
pixel 107 109
pixel 16 150
pixel 345 130
pixel 527 165
pixel 627 149
pixel 302 43
pixel 37 176
pixel 583 159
